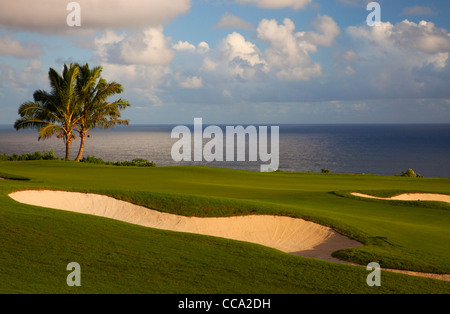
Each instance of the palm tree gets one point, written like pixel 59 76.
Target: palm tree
pixel 92 91
pixel 54 112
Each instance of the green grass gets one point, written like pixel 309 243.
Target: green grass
pixel 116 257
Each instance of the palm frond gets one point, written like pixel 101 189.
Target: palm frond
pixel 48 130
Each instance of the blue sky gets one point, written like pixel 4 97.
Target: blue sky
pixel 240 61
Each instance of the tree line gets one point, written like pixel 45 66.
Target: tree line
pixel 76 103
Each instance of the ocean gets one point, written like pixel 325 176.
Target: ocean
pixel 343 148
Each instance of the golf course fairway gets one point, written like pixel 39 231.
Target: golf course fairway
pixel 119 256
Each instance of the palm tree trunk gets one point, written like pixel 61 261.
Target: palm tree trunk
pixel 67 149
pixel 80 151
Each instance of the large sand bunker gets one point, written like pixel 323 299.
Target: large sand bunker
pixel 411 197
pixel 291 235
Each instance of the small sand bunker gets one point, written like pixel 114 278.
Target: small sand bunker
pixel 290 235
pixel 411 197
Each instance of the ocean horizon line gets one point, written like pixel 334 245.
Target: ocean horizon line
pixel 268 124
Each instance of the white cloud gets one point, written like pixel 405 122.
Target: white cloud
pixel 438 61
pixel 50 15
pixel 351 56
pixel 328 30
pixel 139 60
pixel 184 46
pixel 244 58
pixel 407 38
pixel 208 65
pixel 31 74
pixel 191 82
pixel 398 60
pixel 236 47
pixel 278 4
pixel 147 47
pixel 11 47
pixel 230 21
pixel 139 80
pixel 288 51
pixel 203 47
pixel 103 45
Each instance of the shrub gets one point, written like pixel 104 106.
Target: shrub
pixel 137 162
pixel 50 155
pixel 92 160
pixel 410 173
pixel 325 170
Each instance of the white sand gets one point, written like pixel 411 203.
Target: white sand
pixel 291 235
pixel 411 197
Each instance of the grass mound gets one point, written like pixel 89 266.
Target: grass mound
pixel 38 243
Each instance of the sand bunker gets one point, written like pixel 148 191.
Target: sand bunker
pixel 411 197
pixel 290 235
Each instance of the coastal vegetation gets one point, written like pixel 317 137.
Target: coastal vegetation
pixel 46 155
pixel 138 162
pixel 76 103
pixel 410 173
pixel 50 155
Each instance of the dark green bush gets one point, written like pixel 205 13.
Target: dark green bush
pixel 137 162
pixel 47 155
pixel 410 173
pixel 50 155
pixel 92 160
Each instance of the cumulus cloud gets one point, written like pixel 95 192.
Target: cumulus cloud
pixel 406 39
pixel 140 60
pixel 289 51
pixel 11 47
pixel 243 57
pixel 191 82
pixel 148 47
pixel 208 65
pixel 50 15
pixel 185 46
pixel 278 4
pixel 351 56
pixel 203 47
pixel 327 31
pixel 141 81
pixel 406 59
pixel 23 78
